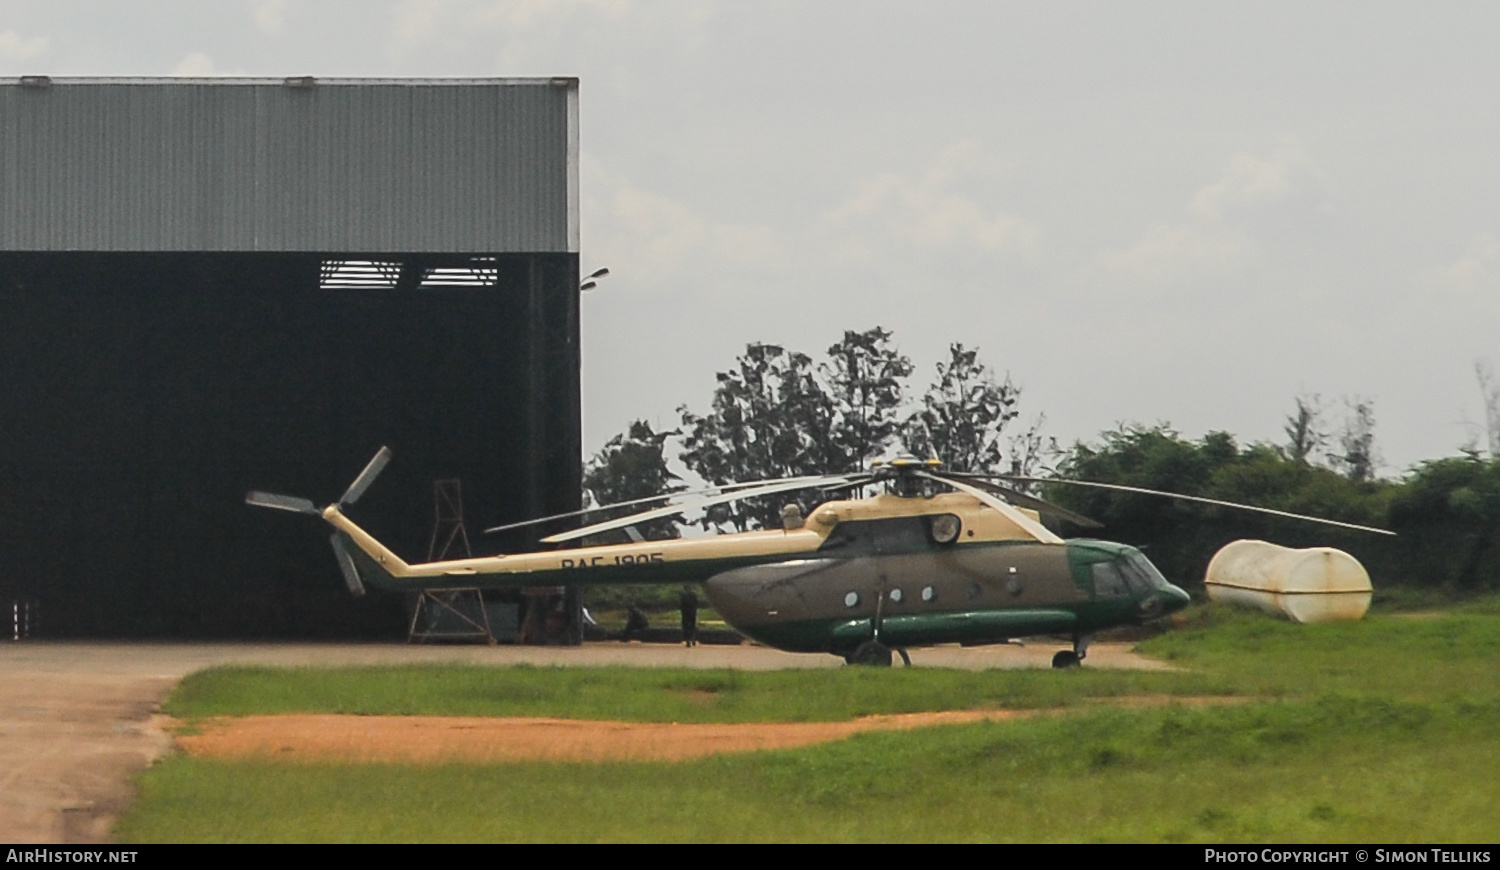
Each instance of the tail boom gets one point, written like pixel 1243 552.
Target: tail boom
pixel 677 560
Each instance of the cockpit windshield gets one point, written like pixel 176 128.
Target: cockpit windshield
pixel 1141 574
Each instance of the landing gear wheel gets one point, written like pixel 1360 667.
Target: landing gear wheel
pixel 872 653
pixel 1066 659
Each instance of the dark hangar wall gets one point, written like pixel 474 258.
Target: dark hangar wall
pixel 146 393
pixel 147 390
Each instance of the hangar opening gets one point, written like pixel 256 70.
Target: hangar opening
pixel 209 286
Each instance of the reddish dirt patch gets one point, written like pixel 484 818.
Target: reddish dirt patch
pixel 435 739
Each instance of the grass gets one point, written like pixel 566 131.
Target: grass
pixel 1383 730
pixel 1446 654
pixel 655 695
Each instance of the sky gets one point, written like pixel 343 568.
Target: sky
pixel 1153 212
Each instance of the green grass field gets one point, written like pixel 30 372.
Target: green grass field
pixel 1383 730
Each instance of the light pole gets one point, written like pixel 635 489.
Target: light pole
pixel 591 281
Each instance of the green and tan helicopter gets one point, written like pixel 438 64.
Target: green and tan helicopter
pixel 937 558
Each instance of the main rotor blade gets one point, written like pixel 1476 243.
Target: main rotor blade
pixel 850 483
pixel 282 503
pixel 745 492
pixel 603 507
pixel 346 565
pixel 1027 524
pixel 366 477
pixel 579 513
pixel 714 490
pixel 1021 499
pixel 1201 500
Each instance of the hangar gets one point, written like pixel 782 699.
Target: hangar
pixel 215 285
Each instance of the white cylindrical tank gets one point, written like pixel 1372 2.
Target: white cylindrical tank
pixel 1319 584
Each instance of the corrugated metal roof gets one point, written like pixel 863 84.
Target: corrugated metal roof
pixel 349 165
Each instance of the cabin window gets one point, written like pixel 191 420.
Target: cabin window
pixel 1108 583
pixel 851 600
pixel 1014 586
pixel 929 594
pixel 974 591
pixel 897 596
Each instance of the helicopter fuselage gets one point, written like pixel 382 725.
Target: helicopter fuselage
pixel 892 570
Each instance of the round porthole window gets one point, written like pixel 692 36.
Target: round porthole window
pixel 851 600
pixel 945 528
pixel 929 594
pixel 897 596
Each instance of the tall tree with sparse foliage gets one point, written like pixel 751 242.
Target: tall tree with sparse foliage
pixel 866 379
pixel 1304 430
pixel 1355 457
pixel 963 414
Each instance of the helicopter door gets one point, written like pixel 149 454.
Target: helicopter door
pixel 894 537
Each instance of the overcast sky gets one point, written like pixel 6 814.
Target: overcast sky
pixel 1180 212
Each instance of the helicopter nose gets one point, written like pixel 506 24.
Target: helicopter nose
pixel 1174 599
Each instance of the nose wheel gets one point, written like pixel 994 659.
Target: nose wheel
pixel 1072 658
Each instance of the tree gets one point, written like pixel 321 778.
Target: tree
pixel 632 466
pixel 865 379
pixel 1356 458
pixel 1181 537
pixel 963 414
pixel 777 415
pixel 1489 389
pixel 770 419
pixel 1447 514
pixel 1031 454
pixel 1304 430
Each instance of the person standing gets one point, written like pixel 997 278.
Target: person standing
pixel 689 603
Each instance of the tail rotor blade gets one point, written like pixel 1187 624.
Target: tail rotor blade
pixel 282 502
pixel 366 477
pixel 347 566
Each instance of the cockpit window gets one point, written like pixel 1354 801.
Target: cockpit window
pixel 1108 582
pixel 1139 570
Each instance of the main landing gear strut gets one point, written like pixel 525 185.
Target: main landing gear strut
pixel 1072 658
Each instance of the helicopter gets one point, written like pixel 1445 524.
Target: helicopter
pixel 936 558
